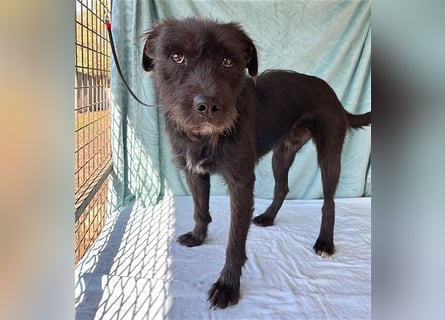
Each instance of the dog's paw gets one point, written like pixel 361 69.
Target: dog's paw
pixel 263 220
pixel 190 240
pixel 222 295
pixel 324 248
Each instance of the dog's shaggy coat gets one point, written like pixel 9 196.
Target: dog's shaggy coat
pixel 221 121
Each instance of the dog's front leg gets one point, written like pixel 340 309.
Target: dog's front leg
pixel 199 185
pixel 226 291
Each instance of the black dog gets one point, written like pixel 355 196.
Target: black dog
pixel 221 121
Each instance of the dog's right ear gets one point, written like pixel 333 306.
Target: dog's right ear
pixel 149 49
pixel 147 62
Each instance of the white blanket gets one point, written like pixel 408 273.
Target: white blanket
pixel 136 270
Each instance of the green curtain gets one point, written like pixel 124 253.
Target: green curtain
pixel 328 39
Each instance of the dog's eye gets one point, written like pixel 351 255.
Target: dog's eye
pixel 177 57
pixel 227 62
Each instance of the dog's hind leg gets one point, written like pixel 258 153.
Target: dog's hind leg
pixel 199 185
pixel 329 142
pixel 282 159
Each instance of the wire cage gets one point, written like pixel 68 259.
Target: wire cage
pixel 92 121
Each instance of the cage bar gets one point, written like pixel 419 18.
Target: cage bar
pixel 92 149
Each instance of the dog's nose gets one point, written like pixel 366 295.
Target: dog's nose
pixel 205 105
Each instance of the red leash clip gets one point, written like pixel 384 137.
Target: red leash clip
pixel 107 22
pixel 118 68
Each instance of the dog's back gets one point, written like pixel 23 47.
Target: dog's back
pixel 290 100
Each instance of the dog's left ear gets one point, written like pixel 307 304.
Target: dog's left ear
pixel 252 62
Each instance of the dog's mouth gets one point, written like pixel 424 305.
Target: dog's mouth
pixel 205 129
pixel 195 126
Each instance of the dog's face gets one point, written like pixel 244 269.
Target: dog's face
pixel 199 70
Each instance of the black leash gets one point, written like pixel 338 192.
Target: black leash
pixel 116 61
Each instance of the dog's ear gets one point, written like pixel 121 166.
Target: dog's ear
pixel 147 62
pixel 252 62
pixel 149 49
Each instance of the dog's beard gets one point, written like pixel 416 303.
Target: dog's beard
pixel 196 128
pixel 205 129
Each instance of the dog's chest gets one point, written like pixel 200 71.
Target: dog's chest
pixel 199 166
pixel 201 159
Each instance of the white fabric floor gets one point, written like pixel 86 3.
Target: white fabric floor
pixel 136 270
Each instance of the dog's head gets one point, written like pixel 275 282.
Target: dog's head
pixel 199 68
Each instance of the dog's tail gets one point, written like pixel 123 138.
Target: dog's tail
pixel 359 120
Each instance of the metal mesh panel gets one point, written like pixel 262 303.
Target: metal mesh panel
pixel 92 121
